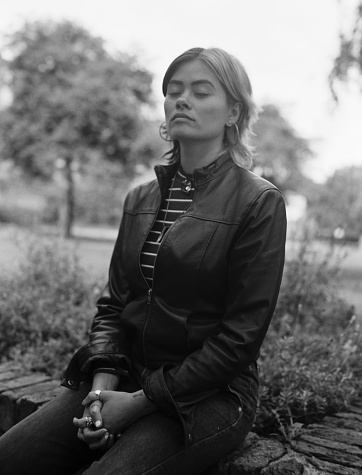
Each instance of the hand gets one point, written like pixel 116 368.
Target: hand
pixel 93 437
pixel 97 437
pixel 120 409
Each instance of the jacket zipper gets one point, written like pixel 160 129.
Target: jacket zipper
pixel 150 289
pixel 149 295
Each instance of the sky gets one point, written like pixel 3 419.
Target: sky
pixel 287 47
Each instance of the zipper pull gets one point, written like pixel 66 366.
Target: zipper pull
pixel 163 232
pixel 149 295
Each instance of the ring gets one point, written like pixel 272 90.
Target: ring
pixel 89 422
pixel 98 394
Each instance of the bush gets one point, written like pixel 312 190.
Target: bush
pixel 309 364
pixel 45 307
pixel 309 296
pixel 307 376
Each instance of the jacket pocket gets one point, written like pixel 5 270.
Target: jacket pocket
pixel 200 326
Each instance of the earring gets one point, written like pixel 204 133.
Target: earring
pixel 163 133
pixel 235 133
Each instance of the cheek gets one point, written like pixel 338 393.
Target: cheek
pixel 217 109
pixel 167 106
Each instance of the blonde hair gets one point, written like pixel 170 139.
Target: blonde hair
pixel 236 83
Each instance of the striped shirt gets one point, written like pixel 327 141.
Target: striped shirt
pixel 178 197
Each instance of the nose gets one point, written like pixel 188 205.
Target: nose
pixel 182 103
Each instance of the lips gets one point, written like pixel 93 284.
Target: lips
pixel 180 115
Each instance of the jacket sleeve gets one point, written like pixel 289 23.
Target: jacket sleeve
pixel 255 266
pixel 108 349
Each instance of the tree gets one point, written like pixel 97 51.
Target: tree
pixel 339 203
pixel 71 99
pixel 348 63
pixel 280 153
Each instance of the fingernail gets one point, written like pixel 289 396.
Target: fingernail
pixel 106 435
pixel 98 423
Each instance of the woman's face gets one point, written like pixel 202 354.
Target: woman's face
pixel 196 105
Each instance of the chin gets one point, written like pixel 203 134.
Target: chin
pixel 183 135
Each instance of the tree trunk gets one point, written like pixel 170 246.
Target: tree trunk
pixel 69 200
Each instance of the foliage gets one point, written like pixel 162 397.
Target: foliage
pixel 45 307
pixel 309 363
pixel 280 153
pixel 348 63
pixel 99 196
pixel 344 212
pixel 69 97
pixel 25 202
pixel 309 292
pixel 306 376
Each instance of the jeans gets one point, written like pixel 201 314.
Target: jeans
pixel 46 443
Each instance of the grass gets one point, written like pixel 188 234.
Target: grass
pixel 94 255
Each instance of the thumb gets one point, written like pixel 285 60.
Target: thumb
pixel 95 412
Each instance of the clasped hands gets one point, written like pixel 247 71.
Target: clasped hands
pixel 112 412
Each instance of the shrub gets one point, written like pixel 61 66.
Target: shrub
pixel 306 376
pixel 45 307
pixel 309 297
pixel 309 364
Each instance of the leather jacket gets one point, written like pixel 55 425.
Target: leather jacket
pixel 216 282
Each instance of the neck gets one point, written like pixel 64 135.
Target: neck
pixel 198 155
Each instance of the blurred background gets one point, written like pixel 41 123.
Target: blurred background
pixel 81 106
pixel 80 110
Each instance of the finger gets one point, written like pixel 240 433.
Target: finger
pixel 94 436
pixel 93 396
pixel 80 423
pixel 95 412
pixel 111 440
pixel 80 435
pixel 102 443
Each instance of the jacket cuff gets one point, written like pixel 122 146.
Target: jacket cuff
pixel 116 371
pixel 156 390
pixel 94 355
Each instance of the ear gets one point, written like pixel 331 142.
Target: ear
pixel 234 113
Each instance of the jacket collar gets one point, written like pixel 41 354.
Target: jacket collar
pixel 214 169
pixel 201 175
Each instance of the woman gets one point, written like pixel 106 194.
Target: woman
pixel 168 383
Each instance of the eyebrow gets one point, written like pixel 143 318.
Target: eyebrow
pixel 193 83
